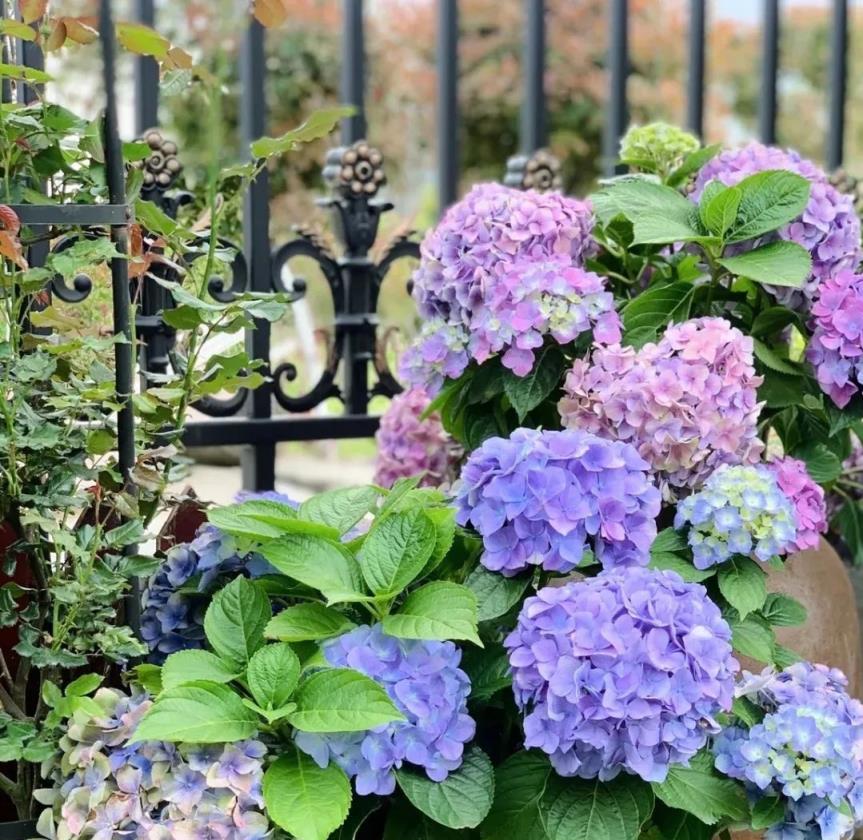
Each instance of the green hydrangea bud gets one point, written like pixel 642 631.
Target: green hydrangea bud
pixel 657 147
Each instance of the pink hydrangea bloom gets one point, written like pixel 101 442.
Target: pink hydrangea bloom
pixel 409 445
pixel 806 496
pixel 688 403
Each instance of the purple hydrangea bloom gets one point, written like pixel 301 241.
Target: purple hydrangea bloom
pixel 687 403
pixel 836 348
pixel 104 789
pixel 829 227
pixel 172 620
pixel 424 681
pixel 409 445
pixel 740 510
pixel 543 498
pixel 810 509
pixel 625 671
pixel 502 271
pixel 808 751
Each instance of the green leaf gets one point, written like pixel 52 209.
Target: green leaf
pixel 773 320
pixel 768 201
pixel 777 263
pixel 692 163
pixel 743 583
pixel 306 623
pixel 636 197
pixel 767 811
pixel 520 784
pixel 701 791
pixel 495 594
pixel 658 306
pixel 462 800
pixel 318 562
pixel 577 809
pixel 404 821
pixel 749 712
pixel 396 550
pixel 273 674
pixel 440 611
pixel 784 657
pixel 443 520
pixel 149 677
pixel 849 522
pixel 526 392
pixel 197 713
pixel 340 509
pixel 753 637
pixel 84 685
pixel 341 700
pixel 319 124
pixel 307 801
pixel 100 442
pixel 783 611
pixel 187 666
pixel 488 669
pixel 822 464
pixel 719 209
pixel 669 540
pixel 657 230
pixel 771 359
pixel 142 40
pixel 678 825
pixel 84 254
pixel 676 563
pixel 265 520
pixel 235 620
pixel 27 74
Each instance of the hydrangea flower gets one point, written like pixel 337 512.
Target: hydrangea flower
pixel 829 227
pixel 740 510
pixel 543 498
pixel 836 348
pixel 172 620
pixel 622 672
pixel 501 272
pixel 687 403
pixel 104 789
pixel 408 445
pixel 657 147
pixel 424 681
pixel 808 751
pixel 810 511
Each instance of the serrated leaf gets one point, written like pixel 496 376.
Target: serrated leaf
pixel 235 620
pixel 665 561
pixel 701 791
pixel 341 700
pixel 748 712
pixel 718 209
pixel 822 464
pixel 767 811
pixel 525 393
pixel 187 666
pixel 495 594
pixel 678 825
pixel 753 637
pixel 777 264
pixel 307 801
pixel 396 550
pixel 197 713
pixel 658 306
pixel 771 359
pixel 768 200
pixel 692 163
pixel 273 674
pixel 319 124
pixel 443 520
pixel 265 520
pixel 783 610
pixel 436 611
pixel 488 669
pixel 520 783
pixel 784 657
pixel 743 583
pixel 635 197
pixel 773 320
pixel 669 540
pixel 462 800
pixel 340 509
pixel 307 622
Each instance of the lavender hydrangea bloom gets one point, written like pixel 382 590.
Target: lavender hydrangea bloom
pixel 808 750
pixel 622 672
pixel 104 789
pixel 829 227
pixel 172 620
pixel 409 445
pixel 810 510
pixel 543 498
pixel 424 681
pixel 687 403
pixel 836 348
pixel 740 510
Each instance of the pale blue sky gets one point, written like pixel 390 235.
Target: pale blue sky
pixel 751 10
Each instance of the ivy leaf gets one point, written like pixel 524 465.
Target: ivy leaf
pixel 768 201
pixel 753 637
pixel 307 801
pixel 783 611
pixel 197 713
pixel 462 800
pixel 743 583
pixel 340 509
pixel 777 263
pixel 658 306
pixel 187 666
pixel 439 611
pixel 319 124
pixel 396 550
pixel 235 620
pixel 341 700
pixel 307 623
pixel 520 784
pixel 495 594
pixel 701 791
pixel 272 675
pixel 526 392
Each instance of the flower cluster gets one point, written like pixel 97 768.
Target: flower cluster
pixel 425 683
pixel 836 348
pixel 687 403
pixel 105 789
pixel 408 445
pixel 740 510
pixel 543 498
pixel 503 270
pixel 808 751
pixel 829 227
pixel 807 497
pixel 625 671
pixel 657 147
pixel 172 616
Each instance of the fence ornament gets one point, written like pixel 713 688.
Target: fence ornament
pixel 539 171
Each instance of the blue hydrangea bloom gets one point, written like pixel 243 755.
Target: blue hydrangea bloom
pixel 425 683
pixel 739 510
pixel 808 750
pixel 543 498
pixel 172 619
pixel 622 672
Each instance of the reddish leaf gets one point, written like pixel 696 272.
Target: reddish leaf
pixel 32 10
pixel 9 219
pixel 80 30
pixel 270 12
pixel 142 40
pixel 10 248
pixel 57 37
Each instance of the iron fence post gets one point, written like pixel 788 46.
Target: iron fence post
pixel 533 110
pixel 146 75
pixel 769 72
pixel 838 84
pixel 618 72
pixel 353 70
pixel 695 80
pixel 447 95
